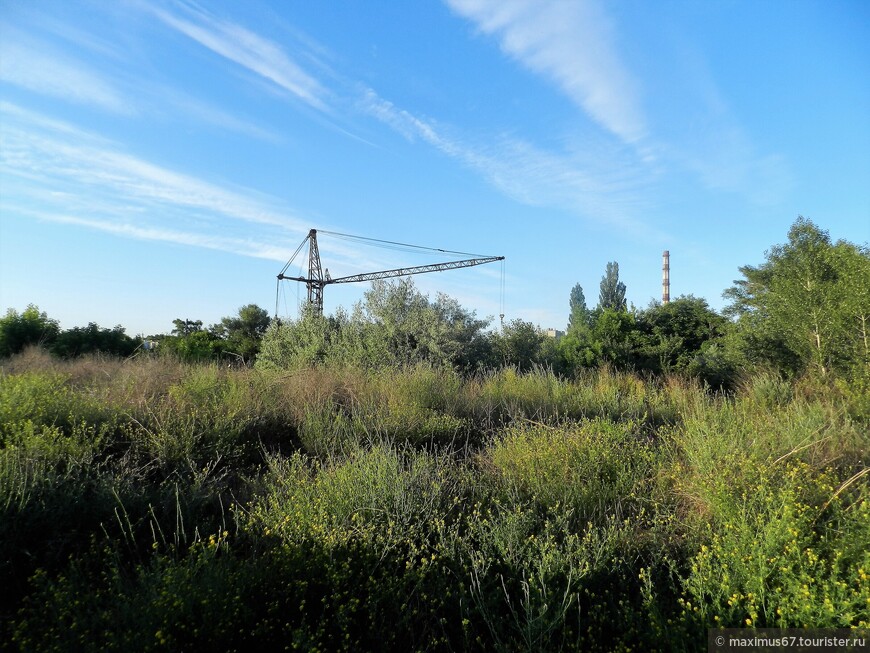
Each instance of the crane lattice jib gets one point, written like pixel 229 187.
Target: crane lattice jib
pixel 398 272
pixel 316 282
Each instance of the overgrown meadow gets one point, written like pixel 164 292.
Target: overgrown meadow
pixel 150 504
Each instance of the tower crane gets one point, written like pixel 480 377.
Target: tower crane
pixel 317 280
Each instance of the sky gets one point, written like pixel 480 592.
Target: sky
pixel 163 159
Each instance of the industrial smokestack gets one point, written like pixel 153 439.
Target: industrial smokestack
pixel 666 277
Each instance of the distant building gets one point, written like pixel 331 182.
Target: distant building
pixel 554 333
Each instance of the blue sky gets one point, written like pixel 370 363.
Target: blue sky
pixel 163 159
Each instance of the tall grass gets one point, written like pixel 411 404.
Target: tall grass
pixel 150 504
pixel 595 471
pixel 772 490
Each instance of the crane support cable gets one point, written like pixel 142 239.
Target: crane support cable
pixel 392 242
pixel 295 254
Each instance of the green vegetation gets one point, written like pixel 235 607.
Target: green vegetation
pixel 30 327
pixel 808 306
pixel 382 481
pixel 611 290
pixel 237 337
pixel 152 504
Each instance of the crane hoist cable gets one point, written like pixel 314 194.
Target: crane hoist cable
pixel 501 299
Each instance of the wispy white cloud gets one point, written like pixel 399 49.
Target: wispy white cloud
pixel 90 162
pixel 206 113
pixel 702 135
pixel 37 67
pixel 93 41
pixel 64 174
pixel 517 168
pixel 247 49
pixel 731 164
pixel 15 114
pixel 244 247
pixel 574 45
pixel 600 183
pixel 63 171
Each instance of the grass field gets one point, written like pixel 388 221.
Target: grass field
pixel 151 505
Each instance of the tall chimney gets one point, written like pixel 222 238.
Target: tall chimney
pixel 666 277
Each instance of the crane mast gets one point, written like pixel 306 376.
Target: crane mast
pixel 315 273
pixel 316 281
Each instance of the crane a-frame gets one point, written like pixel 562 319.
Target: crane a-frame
pixel 316 280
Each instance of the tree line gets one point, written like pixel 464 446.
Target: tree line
pixel 236 337
pixel 805 309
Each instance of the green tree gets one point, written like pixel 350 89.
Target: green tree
pixel 606 334
pixel 197 346
pixel 394 324
pixel 91 339
pixel 806 306
pixel 611 290
pixel 302 343
pixel 243 333
pixel 464 346
pixel 677 331
pixel 31 327
pixel 579 314
pixel 616 338
pixel 520 344
pixel 190 342
pixel 186 327
pixel 406 328
pixel 719 361
pixel 577 350
pixel 853 265
pixel 613 337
